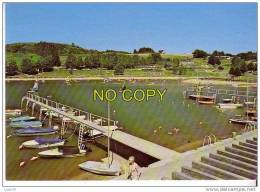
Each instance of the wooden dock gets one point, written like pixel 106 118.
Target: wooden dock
pixel 147 147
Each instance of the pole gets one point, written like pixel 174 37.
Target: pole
pixel 108 135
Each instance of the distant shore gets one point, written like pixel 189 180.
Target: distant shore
pixel 191 80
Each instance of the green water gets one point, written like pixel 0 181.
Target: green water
pixel 138 118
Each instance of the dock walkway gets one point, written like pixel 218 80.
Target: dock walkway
pixel 147 147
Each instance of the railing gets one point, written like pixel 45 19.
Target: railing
pixel 78 112
pixel 224 91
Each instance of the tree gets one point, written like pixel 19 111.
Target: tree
pixel 218 53
pixel 11 68
pixel 220 68
pixel 80 63
pixel 55 58
pixel 243 67
pixel 70 61
pixel 236 61
pixel 176 66
pixel 198 53
pixel 213 60
pixel 146 50
pixel 119 70
pixel 135 51
pixel 155 58
pixel 251 66
pixel 28 67
pixel 46 64
pixel 237 71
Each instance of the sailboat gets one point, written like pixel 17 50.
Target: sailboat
pixel 32 131
pixel 22 118
pixel 103 168
pixel 26 123
pixel 39 143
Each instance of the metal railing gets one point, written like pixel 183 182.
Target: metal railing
pixel 78 112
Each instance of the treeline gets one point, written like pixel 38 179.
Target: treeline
pixel 111 61
pixel 240 63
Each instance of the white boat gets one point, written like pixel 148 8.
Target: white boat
pixel 229 105
pixel 39 143
pixel 101 168
pixel 242 121
pixel 62 151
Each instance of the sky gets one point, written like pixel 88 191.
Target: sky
pixel 174 27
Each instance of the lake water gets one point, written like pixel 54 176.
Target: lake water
pixel 137 118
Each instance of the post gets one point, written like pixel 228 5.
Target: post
pixel 50 119
pixel 108 135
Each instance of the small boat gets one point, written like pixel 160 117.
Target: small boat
pixel 242 121
pixel 202 97
pixel 22 118
pixel 101 168
pixel 13 112
pixel 251 112
pixel 206 102
pixel 229 105
pixel 227 100
pixel 32 131
pixel 62 151
pixel 40 143
pixel 26 123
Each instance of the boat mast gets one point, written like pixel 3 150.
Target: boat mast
pixel 247 99
pixel 108 135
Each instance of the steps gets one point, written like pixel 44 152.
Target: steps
pixel 235 162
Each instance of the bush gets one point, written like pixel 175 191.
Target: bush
pixel 220 68
pixel 199 54
pixel 119 70
pixel 213 60
pixel 11 68
pixel 28 67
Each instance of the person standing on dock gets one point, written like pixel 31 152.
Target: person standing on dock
pixel 133 172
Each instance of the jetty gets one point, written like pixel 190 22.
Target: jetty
pixel 96 124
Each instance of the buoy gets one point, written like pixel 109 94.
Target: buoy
pixel 201 123
pixel 22 163
pixel 34 158
pixel 9 136
pixel 21 147
pixel 154 132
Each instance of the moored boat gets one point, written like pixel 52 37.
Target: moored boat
pixel 22 118
pixel 63 151
pixel 26 123
pixel 32 131
pixel 206 102
pixel 101 168
pixel 43 143
pixel 229 105
pixel 201 97
pixel 242 121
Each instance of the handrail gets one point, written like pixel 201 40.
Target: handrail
pixel 56 104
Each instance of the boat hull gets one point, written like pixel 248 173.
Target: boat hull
pixel 100 168
pixel 22 124
pixel 56 153
pixel 241 121
pixel 229 105
pixel 35 145
pixel 206 102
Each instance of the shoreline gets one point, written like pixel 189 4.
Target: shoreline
pixel 191 80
